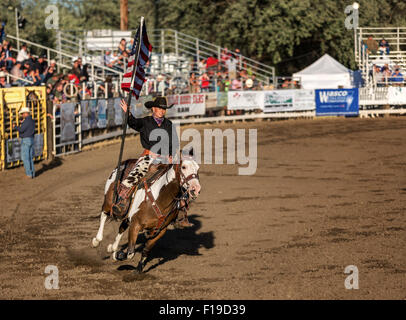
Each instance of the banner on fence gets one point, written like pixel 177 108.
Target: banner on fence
pixel 289 100
pixel 68 122
pixel 13 150
pixel 110 113
pixel 14 147
pixel 137 106
pixel 245 100
pixel 101 113
pixel 187 105
pixel 396 95
pixel 85 114
pixel 332 102
pixel 222 99
pixel 118 112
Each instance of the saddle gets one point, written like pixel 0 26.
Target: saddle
pixel 154 173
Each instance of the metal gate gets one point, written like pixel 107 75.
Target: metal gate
pixel 11 101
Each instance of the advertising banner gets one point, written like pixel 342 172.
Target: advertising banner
pixel 397 95
pixel 187 105
pixel 13 150
pixel 84 105
pixel 289 100
pixel 333 102
pixel 245 100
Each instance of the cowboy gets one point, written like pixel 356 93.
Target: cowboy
pixel 27 131
pixel 145 127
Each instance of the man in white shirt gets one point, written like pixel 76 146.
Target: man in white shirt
pixel 22 54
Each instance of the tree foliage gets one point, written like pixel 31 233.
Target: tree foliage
pixel 287 34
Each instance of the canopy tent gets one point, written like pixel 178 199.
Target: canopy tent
pixel 325 73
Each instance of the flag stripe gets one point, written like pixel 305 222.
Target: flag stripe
pixel 143 58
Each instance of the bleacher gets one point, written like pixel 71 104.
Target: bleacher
pixel 396 37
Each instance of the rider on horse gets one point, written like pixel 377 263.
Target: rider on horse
pixel 145 126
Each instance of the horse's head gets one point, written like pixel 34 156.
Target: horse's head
pixel 189 176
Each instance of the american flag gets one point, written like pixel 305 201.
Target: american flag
pixel 145 53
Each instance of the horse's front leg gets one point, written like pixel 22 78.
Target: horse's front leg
pixel 99 236
pixel 113 247
pixel 147 249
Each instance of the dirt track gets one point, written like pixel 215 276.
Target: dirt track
pixel 327 194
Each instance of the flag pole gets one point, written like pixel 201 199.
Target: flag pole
pixel 118 172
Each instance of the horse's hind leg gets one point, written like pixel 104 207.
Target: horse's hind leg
pixel 99 237
pixel 147 249
pixel 114 246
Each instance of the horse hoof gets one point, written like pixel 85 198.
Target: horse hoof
pixel 110 248
pixel 119 256
pixel 95 243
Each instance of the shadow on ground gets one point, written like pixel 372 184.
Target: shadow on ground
pixel 175 243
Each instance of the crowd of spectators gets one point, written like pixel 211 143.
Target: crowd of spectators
pixel 385 75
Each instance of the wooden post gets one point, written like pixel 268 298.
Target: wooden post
pixel 123 14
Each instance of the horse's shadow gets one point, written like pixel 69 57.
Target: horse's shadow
pixel 176 243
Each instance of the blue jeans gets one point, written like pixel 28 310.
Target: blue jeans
pixel 27 155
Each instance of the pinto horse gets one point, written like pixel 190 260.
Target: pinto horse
pixel 152 208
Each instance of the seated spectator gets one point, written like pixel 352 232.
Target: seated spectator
pixel 236 84
pixel 23 54
pixel 397 77
pixel 3 82
pixel 2 31
pixel 204 82
pixel 383 47
pixel 372 45
pixel 193 83
pixel 59 95
pixel 122 46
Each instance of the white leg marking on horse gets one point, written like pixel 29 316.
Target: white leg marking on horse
pixel 99 236
pixel 114 247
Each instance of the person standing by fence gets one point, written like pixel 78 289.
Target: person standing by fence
pixel 27 131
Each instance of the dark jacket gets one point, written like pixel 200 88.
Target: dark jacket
pixel 145 126
pixel 27 128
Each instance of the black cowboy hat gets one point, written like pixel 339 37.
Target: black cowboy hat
pixel 159 102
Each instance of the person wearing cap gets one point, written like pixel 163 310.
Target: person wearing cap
pixel 145 126
pixel 27 131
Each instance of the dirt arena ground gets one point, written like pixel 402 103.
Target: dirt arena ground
pixel 327 193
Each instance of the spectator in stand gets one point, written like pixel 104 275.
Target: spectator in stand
pixel 397 77
pixel 236 84
pixel 372 45
pixel 2 31
pixel 386 74
pixel 108 59
pixel 17 72
pixel 248 85
pixel 10 61
pixel 211 65
pixel 3 82
pixel 23 54
pixel 122 46
pixel 193 83
pixel 204 82
pixel 383 46
pixel 59 95
pixel 232 67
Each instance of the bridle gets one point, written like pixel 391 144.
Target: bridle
pixel 184 180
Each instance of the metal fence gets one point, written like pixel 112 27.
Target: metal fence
pixel 12 100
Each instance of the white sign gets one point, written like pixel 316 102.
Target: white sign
pixel 289 100
pixel 187 105
pixel 396 95
pixel 245 100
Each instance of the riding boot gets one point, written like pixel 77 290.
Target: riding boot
pixel 182 220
